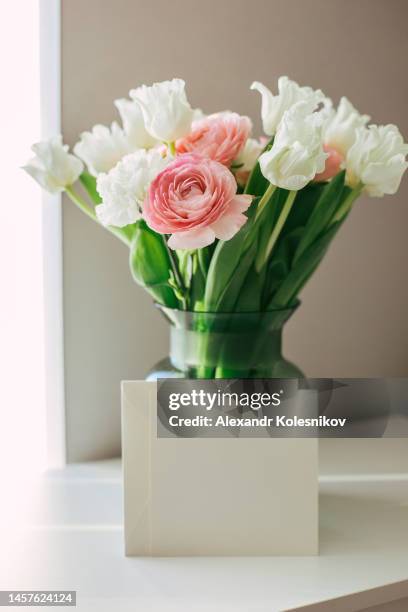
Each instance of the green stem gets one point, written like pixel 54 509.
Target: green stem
pixel 204 349
pixel 90 212
pixel 347 204
pixel 262 206
pixel 82 205
pixel 176 272
pixel 263 201
pixel 263 258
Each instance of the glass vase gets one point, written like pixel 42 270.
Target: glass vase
pixel 225 345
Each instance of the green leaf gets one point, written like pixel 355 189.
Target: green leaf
pixel 204 258
pixel 270 215
pixel 185 266
pixel 193 278
pixel 303 207
pixel 281 262
pixel 150 265
pixel 197 288
pixel 250 294
pixel 227 301
pixel 322 213
pixel 233 259
pixel 302 269
pixel 257 183
pixel 228 261
pixel 277 272
pixel 291 236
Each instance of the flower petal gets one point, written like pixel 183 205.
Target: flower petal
pixel 231 222
pixel 192 239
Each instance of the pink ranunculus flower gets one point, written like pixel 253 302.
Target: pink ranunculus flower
pixel 194 199
pixel 333 165
pixel 220 137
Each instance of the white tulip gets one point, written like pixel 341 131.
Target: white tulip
pixel 53 167
pixel 377 160
pixel 340 129
pixel 124 188
pixel 198 114
pixel 102 148
pixel 133 123
pixel 247 159
pixel 166 111
pixel 274 106
pixel 297 153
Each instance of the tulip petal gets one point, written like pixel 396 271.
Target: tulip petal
pixel 53 167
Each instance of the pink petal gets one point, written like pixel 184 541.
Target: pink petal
pixel 231 222
pixel 192 239
pixel 333 165
pixel 241 202
pixel 220 137
pixel 228 225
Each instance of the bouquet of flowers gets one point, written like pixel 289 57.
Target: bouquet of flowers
pixel 215 220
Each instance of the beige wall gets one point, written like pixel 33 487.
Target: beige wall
pixel 353 321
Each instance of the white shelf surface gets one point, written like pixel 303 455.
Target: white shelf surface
pixel 68 534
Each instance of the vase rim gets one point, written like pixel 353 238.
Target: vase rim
pixel 292 308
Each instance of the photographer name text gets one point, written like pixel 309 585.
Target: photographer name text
pixel 264 421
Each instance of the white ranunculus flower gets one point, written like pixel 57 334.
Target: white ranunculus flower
pixel 297 153
pixel 102 148
pixel 274 106
pixel 340 129
pixel 133 124
pixel 166 111
pixel 249 155
pixel 124 188
pixel 53 167
pixel 377 160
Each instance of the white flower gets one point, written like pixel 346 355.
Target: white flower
pixel 246 160
pixel 132 118
pixel 297 153
pixel 166 111
pixel 340 129
pixel 102 148
pixel 377 160
pixel 273 107
pixel 198 114
pixel 53 167
pixel 124 188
